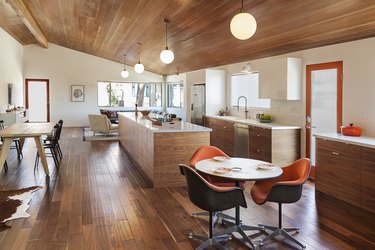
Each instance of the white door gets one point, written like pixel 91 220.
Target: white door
pixel 198 105
pixel 37 100
pixel 323 102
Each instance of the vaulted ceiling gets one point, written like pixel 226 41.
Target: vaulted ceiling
pixel 199 31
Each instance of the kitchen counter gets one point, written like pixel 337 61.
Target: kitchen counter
pixel 355 140
pixel 156 151
pixel 253 122
pixel 167 127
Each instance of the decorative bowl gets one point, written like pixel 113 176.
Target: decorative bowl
pixel 145 112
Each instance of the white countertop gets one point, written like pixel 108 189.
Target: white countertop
pixel 356 140
pixel 166 127
pixel 254 122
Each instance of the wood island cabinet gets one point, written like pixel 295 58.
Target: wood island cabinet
pixel 346 172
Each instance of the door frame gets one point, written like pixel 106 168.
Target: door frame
pixel 322 66
pixel 27 80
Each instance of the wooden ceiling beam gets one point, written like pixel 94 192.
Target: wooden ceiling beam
pixel 25 16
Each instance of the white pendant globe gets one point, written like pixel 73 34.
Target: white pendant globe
pixel 139 68
pixel 243 26
pixel 167 56
pixel 124 73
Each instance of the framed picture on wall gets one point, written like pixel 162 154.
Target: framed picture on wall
pixel 78 93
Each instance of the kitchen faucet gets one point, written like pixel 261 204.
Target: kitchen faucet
pixel 238 105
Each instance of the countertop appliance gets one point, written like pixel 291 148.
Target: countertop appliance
pixel 241 140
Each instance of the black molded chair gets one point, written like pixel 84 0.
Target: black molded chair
pixel 211 198
pixel 286 188
pixel 208 152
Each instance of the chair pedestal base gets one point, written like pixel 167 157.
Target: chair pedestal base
pixel 214 241
pixel 216 217
pixel 241 230
pixel 281 231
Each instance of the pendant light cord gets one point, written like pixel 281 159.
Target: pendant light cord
pixel 242 8
pixel 124 61
pixel 139 52
pixel 166 32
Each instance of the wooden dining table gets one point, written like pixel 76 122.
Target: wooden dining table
pixel 25 130
pixel 239 169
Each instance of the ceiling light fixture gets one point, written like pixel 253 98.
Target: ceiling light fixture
pixel 139 68
pixel 243 25
pixel 124 73
pixel 166 56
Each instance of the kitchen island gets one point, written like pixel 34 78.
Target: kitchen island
pixel 157 150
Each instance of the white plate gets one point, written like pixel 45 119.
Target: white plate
pixel 222 170
pixel 221 158
pixel 266 166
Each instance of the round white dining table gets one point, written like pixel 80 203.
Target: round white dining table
pixel 240 169
pixel 244 169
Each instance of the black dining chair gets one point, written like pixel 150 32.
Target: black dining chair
pixel 212 199
pixel 51 138
pixel 52 146
pixel 17 143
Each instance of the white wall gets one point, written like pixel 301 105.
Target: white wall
pixel 65 67
pixel 11 70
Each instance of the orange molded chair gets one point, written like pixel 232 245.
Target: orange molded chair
pixel 211 198
pixel 286 188
pixel 208 152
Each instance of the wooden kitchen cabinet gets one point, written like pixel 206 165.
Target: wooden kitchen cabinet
pixel 226 136
pixel 278 146
pixel 260 143
pixel 338 170
pixel 367 179
pixel 222 135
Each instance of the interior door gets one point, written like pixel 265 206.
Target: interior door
pixel 198 106
pixel 37 100
pixel 323 103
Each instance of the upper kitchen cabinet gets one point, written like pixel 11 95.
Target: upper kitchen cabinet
pixel 214 82
pixel 281 79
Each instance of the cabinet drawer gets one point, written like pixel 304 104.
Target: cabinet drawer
pixel 340 149
pixel 259 132
pixel 209 121
pixel 260 144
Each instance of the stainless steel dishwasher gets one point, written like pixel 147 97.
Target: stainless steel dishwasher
pixel 241 140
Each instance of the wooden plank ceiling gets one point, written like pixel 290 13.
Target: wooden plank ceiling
pixel 199 31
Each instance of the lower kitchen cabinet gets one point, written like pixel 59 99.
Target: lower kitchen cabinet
pixel 279 146
pixel 346 171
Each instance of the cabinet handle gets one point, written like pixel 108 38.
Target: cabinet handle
pixel 258 150
pixel 258 135
pixel 224 127
pixel 335 153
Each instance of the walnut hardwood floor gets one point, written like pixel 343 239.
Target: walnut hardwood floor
pixel 97 200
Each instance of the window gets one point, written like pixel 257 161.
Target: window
pixel 119 94
pixel 247 85
pixel 175 93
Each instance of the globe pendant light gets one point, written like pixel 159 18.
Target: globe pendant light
pixel 139 68
pixel 166 56
pixel 124 73
pixel 243 25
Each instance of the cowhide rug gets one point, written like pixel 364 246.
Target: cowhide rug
pixel 14 203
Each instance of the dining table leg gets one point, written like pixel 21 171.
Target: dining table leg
pixel 5 151
pixel 42 154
